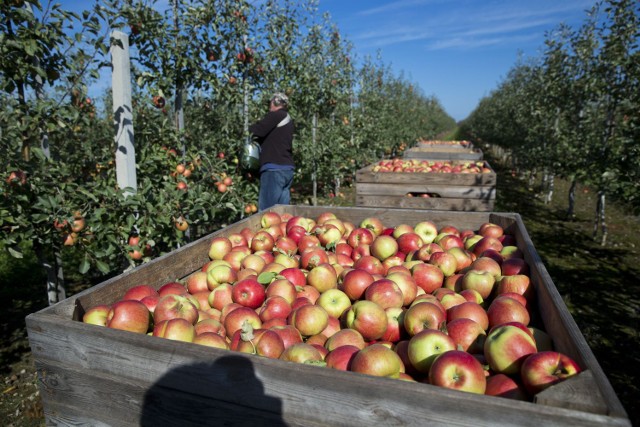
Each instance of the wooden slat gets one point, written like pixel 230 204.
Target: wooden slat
pixel 577 393
pixel 443 153
pixel 448 204
pixel 304 392
pixel 444 191
pixel 367 175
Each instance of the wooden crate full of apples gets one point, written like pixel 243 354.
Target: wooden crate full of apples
pixel 310 316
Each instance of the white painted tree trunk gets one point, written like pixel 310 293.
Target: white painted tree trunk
pixel 123 113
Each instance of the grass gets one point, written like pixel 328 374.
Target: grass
pixel 599 285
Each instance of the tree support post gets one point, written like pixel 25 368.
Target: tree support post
pixel 123 113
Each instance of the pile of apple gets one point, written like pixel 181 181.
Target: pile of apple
pixel 433 166
pixel 447 307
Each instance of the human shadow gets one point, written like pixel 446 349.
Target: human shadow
pixel 225 392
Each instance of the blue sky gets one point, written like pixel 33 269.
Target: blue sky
pixel 455 50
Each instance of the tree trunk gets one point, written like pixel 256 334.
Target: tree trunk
pixel 550 188
pixel 572 199
pixel 56 291
pixel 600 219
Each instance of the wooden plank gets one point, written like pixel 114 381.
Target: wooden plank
pixel 443 153
pixel 305 392
pixel 438 203
pixel 461 145
pixel 576 392
pixel 444 191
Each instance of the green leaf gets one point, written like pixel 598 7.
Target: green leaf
pixel 15 253
pixel 84 265
pixel 103 267
pixel 267 277
pixel 247 331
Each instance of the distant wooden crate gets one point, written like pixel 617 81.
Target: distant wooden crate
pixel 92 375
pixel 419 190
pixel 443 153
pixel 460 145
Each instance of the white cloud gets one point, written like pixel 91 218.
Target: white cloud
pixel 462 24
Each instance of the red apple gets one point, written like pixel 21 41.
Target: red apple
pixel 366 317
pixel 334 301
pixel 504 386
pixel 219 247
pixel 175 306
pixel 469 310
pixel 395 325
pixel 301 353
pixel 407 285
pixel 481 281
pixel 423 315
pixel 355 282
pixel 512 266
pixel 373 224
pixel 340 358
pixel 97 315
pixel 274 307
pixel 176 329
pixel 546 368
pixel 506 347
pixel 282 287
pixel 323 277
pixel 211 339
pixel 295 275
pixel 427 230
pixel 176 288
pixel 263 342
pixel 289 334
pixel 377 360
pixel 445 262
pixel 384 247
pixel 369 263
pixel 458 370
pixel 504 309
pixel 235 320
pixel 249 293
pixel 269 218
pixel 385 293
pixel 139 292
pixel 346 336
pixel 467 334
pixel 360 236
pixel 210 326
pixel 425 346
pixel 309 319
pixel 427 276
pixel 197 282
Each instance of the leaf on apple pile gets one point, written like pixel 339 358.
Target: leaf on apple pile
pixel 247 331
pixel 267 277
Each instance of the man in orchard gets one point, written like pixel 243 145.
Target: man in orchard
pixel 274 133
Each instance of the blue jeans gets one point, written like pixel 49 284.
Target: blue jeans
pixel 274 188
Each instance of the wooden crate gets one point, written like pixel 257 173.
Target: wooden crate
pixel 443 153
pixel 446 191
pixel 93 375
pixel 459 145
